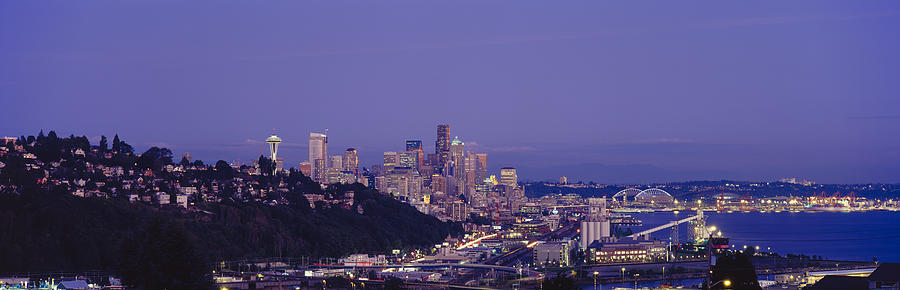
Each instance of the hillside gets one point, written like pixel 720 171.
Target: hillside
pixel 68 205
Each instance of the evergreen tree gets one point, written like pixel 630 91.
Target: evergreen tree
pixel 116 147
pixel 223 170
pixel 103 145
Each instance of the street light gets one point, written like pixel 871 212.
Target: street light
pixel 623 274
pixel 635 280
pixel 726 283
pixel 595 279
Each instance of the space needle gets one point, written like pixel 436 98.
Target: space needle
pixel 273 147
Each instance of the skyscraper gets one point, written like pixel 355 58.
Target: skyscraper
pixel 407 159
pixel 508 177
pixel 351 161
pixel 413 145
pixel 337 162
pixel 416 146
pixel 442 145
pixel 458 163
pixel 318 147
pixel 391 159
pixel 481 171
pixel 318 155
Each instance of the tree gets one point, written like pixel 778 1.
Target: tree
pixel 103 144
pixel 155 158
pixel 265 164
pixel 393 283
pixel 223 170
pixel 116 144
pixel 162 256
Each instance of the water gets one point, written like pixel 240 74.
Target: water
pixel 851 236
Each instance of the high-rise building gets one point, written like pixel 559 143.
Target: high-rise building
pixel 442 145
pixel 319 173
pixel 481 169
pixel 318 150
pixel 469 177
pixel 508 177
pixel 318 146
pixel 407 159
pixel 351 161
pixel 438 184
pixel 413 145
pixel 458 165
pixel 337 162
pixel 391 159
pixel 416 146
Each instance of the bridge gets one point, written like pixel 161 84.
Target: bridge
pixel 440 265
pixel 673 225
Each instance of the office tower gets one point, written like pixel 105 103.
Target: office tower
pixel 508 177
pixel 318 146
pixel 391 160
pixel 319 170
pixel 351 161
pixel 337 162
pixel 442 145
pixel 413 145
pixel 481 171
pixel 407 159
pixel 469 175
pixel 438 184
pixel 432 159
pixel 458 165
pixel 318 150
pixel 416 146
pixel 458 211
pixel 273 142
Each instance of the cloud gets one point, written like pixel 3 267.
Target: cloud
pixel 475 146
pixel 875 117
pixel 160 145
pixel 799 19
pixel 254 142
pixel 667 141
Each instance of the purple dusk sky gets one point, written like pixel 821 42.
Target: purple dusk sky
pixel 608 91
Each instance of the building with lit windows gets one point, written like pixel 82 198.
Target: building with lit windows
pixel 552 254
pixel 415 146
pixel 442 145
pixel 351 160
pixel 318 155
pixel 391 159
pixel 508 177
pixel 626 251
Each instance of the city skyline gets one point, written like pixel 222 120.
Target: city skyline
pixel 401 144
pixel 749 92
